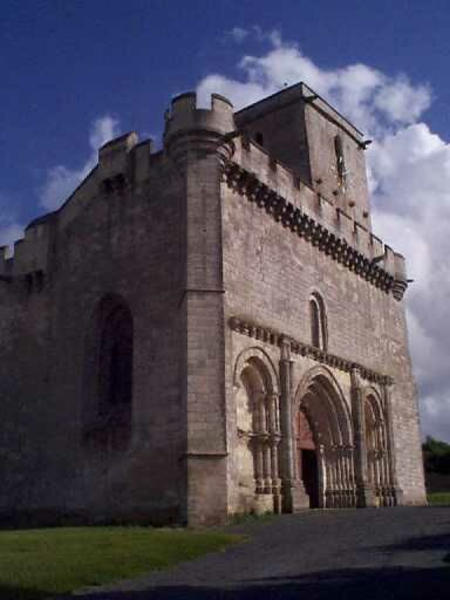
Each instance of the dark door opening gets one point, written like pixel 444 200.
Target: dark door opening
pixel 309 476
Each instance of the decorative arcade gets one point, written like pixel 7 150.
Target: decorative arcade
pixel 318 443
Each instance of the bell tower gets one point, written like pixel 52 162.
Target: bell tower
pixel 301 130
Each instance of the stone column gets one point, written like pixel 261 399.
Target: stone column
pixel 267 461
pixel 364 491
pixel 351 466
pixel 396 491
pixel 258 465
pixel 274 441
pixel 322 472
pixel 287 444
pixel 262 412
pixel 272 409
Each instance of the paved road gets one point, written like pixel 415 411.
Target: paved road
pixel 400 553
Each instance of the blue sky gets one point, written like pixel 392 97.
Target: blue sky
pixel 65 63
pixel 76 72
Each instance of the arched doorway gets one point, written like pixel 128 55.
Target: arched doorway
pixel 256 464
pixel 307 458
pixel 324 457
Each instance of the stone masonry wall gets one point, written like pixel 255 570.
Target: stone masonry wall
pixel 269 274
pixel 122 238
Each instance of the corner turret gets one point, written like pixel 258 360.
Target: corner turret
pixel 400 277
pixel 192 130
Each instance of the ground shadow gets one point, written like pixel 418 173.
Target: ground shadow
pixel 420 543
pixel 344 584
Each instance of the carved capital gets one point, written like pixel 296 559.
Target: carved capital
pixel 356 379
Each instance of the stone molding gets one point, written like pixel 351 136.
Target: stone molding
pixel 293 218
pixel 276 338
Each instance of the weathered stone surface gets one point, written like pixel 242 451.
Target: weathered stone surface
pixel 215 246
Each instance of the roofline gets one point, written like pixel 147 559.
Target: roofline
pixel 300 85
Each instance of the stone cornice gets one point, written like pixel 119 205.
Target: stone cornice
pixel 294 219
pixel 276 338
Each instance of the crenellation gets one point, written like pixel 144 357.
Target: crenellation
pixel 5 261
pixel 377 247
pixel 185 115
pixel 113 156
pixel 350 244
pixel 141 157
pixel 138 392
pixel 257 161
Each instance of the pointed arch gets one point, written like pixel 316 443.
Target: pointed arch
pixel 320 398
pixel 108 375
pixel 378 459
pixel 320 383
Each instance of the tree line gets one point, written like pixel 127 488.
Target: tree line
pixel 436 456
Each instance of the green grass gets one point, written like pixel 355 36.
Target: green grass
pixel 36 563
pixel 439 498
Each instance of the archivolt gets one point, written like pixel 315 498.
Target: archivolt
pixel 257 357
pixel 372 396
pixel 320 395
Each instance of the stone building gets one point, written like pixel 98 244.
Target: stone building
pixel 210 329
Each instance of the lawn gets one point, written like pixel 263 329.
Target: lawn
pixel 439 498
pixel 36 563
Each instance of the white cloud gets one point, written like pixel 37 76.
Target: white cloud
pixel 10 228
pixel 409 175
pixel 365 95
pixel 61 181
pixel 9 233
pixel 238 34
pixel 401 101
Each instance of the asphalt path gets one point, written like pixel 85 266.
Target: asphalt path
pixel 397 553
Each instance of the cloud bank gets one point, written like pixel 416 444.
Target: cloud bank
pixel 409 175
pixel 10 228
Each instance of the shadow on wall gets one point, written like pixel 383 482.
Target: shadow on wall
pixel 349 584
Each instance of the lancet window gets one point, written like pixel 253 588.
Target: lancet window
pixel 340 161
pixel 108 404
pixel 319 334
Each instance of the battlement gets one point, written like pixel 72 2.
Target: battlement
pixel 190 131
pixel 121 161
pixel 112 156
pixel 28 264
pixel 184 114
pixel 283 194
pixel 189 128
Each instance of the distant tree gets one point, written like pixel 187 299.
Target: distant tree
pixel 436 456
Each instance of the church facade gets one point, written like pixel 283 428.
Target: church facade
pixel 209 329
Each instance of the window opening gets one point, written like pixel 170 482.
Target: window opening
pixel 340 161
pixel 109 396
pixel 259 138
pixel 319 333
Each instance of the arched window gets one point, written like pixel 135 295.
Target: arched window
pixel 319 334
pixel 108 401
pixel 340 161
